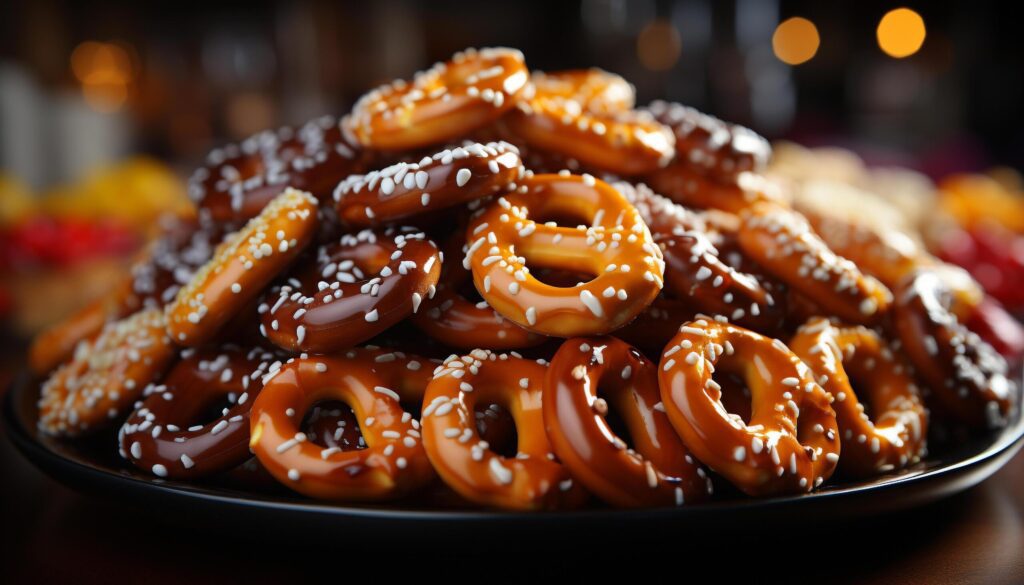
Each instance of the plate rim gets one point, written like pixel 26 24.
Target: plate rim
pixel 1003 446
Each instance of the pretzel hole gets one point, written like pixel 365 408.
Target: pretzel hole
pixel 561 278
pixel 495 425
pixel 859 381
pixel 332 423
pixel 735 395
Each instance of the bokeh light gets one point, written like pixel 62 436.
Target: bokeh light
pixel 795 41
pixel 658 45
pixel 105 71
pixel 901 33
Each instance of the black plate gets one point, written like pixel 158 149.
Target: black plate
pixel 92 466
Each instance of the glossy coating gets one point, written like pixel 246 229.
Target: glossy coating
pixel 531 480
pixel 790 444
pixel 782 242
pixel 626 142
pixel 596 90
pixel 894 431
pixel 373 383
pixel 243 265
pixel 610 242
pixel 105 376
pixel 352 291
pixel 711 146
pixel 966 377
pixel 437 182
pixel 163 435
pixel 591 375
pixel 442 103
pixel 451 318
pixel 238 181
pixel 688 186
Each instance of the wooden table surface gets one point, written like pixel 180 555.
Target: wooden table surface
pixel 53 534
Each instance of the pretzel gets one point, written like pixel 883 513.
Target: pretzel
pixel 688 186
pixel 614 244
pixel 895 433
pixel 966 376
pixel 621 141
pixel 244 263
pixel 355 289
pixel 790 443
pixel 445 102
pixel 714 148
pixel 531 480
pixel 160 436
pixel 658 470
pixel 458 322
pixel 781 241
pixel 238 181
pixel 105 376
pixel 446 179
pixel 373 383
pixel 596 90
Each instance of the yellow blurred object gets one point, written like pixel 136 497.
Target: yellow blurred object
pixel 979 199
pixel 16 201
pixel 136 192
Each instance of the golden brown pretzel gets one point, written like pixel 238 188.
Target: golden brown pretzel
pixel 588 376
pixel 611 242
pixel 443 103
pixel 245 262
pixel 790 444
pixel 596 90
pixel 690 187
pixel 105 376
pixel 967 378
pixel 373 383
pixel 353 290
pixel 446 179
pixel 782 242
pixel 532 479
pixel 895 434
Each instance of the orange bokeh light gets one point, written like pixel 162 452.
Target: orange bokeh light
pixel 795 41
pixel 901 33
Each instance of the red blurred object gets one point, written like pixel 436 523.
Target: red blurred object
pixel 999 328
pixel 994 256
pixel 63 241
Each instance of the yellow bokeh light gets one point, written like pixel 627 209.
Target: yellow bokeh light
pixel 795 41
pixel 901 33
pixel 105 72
pixel 658 45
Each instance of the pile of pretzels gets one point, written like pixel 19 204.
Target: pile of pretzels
pixel 495 287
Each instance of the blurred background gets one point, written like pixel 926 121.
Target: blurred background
pixel 106 107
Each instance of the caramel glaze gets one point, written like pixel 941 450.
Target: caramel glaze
pixel 451 318
pixel 445 102
pixel 791 442
pixel 783 243
pixel 612 242
pixel 352 291
pixel 246 262
pixel 657 470
pixel 595 90
pixel 373 383
pixel 691 188
pixel 161 435
pixel 895 433
pixel 238 181
pixel 531 480
pixel 105 375
pixel 966 377
pixel 447 178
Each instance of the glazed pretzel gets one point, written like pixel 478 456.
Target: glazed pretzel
pixel 612 243
pixel 355 289
pixel 596 90
pixel 625 142
pixel 238 181
pixel 373 383
pixel 714 148
pixel 159 436
pixel 658 470
pixel 529 481
pixel 105 376
pixel 244 264
pixel 966 376
pixel 451 318
pixel 791 442
pixel 690 187
pixel 895 433
pixel 781 241
pixel 443 103
pixel 441 181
